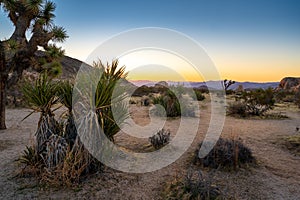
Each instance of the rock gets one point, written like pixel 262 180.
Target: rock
pixel 289 84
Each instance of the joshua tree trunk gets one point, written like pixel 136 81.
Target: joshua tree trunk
pixel 3 79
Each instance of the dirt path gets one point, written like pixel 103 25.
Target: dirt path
pixel 276 177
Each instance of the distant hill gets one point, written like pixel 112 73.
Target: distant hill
pixel 72 65
pixel 212 84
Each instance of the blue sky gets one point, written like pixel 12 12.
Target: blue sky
pixel 248 40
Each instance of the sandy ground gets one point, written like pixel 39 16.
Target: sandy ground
pixel 277 175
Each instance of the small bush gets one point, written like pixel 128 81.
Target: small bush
pixel 259 101
pixel 178 90
pixel 284 96
pixel 29 157
pixel 199 96
pixel 77 163
pixel 255 103
pixel 227 153
pixel 169 103
pixel 191 188
pixel 237 109
pixel 145 101
pixel 160 139
pixel 173 107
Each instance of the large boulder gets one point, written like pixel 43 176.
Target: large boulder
pixel 290 84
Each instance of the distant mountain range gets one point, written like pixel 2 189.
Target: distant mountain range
pixel 72 65
pixel 211 84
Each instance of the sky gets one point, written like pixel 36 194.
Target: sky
pixel 247 40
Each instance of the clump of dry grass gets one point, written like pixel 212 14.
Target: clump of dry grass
pixel 77 163
pixel 227 154
pixel 193 187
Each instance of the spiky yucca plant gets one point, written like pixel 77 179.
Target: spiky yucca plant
pixel 29 156
pixel 41 96
pixel 110 108
pixel 65 93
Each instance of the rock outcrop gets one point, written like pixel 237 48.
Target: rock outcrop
pixel 290 84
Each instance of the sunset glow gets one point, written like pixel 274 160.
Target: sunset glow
pixel 247 40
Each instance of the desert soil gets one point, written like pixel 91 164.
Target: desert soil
pixel 277 175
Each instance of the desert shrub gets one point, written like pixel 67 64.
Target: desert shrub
pixel 169 103
pixel 179 90
pixel 77 163
pixel 227 153
pixel 237 109
pixel 198 95
pixel 284 96
pixel 203 89
pixel 230 92
pixel 161 138
pixel 145 101
pixel 173 107
pixel 259 101
pixel 29 157
pixel 255 102
pixel 191 188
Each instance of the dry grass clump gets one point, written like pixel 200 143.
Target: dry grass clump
pixel 71 171
pixel 237 109
pixel 226 154
pixel 193 187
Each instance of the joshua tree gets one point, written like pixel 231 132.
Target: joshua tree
pixel 2 88
pixel 19 52
pixel 227 84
